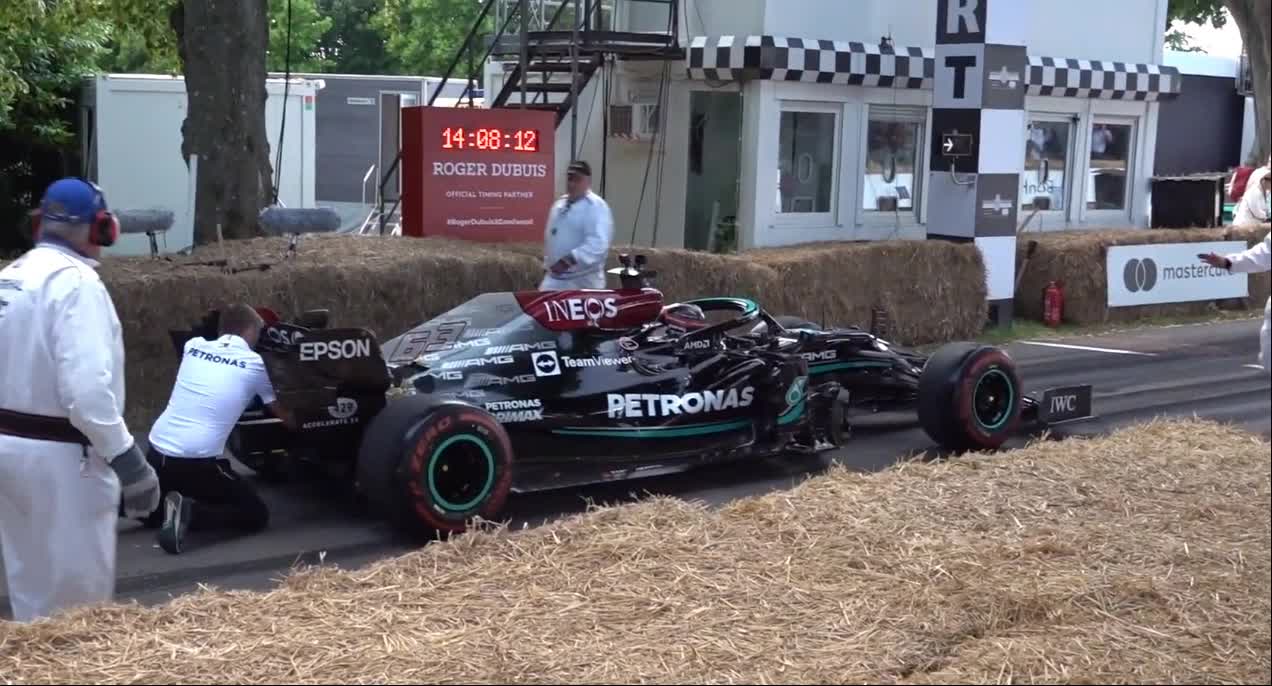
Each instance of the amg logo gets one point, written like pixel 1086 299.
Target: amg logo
pixel 311 351
pixel 445 375
pixel 820 356
pixel 622 405
pixel 703 344
pixel 478 362
pixel 581 309
pixel 474 343
pixel 484 380
pixel 1064 403
pixel 520 348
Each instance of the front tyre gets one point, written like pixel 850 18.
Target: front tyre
pixel 970 397
pixel 429 467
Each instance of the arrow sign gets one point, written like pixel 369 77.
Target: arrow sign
pixel 956 144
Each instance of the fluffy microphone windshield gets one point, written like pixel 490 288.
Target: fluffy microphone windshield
pixel 144 221
pixel 282 221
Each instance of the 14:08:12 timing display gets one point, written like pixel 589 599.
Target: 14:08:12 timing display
pixel 517 140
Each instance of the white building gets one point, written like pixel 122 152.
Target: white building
pixel 807 119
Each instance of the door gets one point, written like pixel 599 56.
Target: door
pixel 715 154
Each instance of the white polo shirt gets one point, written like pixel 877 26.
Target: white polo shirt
pixel 215 384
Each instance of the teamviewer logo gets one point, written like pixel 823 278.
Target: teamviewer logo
pixel 546 363
pixel 1140 275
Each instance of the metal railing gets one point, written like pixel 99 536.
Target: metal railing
pixel 585 11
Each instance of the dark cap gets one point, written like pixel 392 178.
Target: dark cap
pixel 579 168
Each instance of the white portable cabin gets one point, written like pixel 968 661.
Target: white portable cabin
pixel 131 135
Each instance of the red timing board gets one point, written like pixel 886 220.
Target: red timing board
pixel 477 174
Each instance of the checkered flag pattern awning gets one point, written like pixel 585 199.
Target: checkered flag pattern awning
pixel 774 58
pixel 1071 78
pixel 735 58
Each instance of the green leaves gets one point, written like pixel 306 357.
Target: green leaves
pixel 308 27
pixel 48 48
pixel 1192 12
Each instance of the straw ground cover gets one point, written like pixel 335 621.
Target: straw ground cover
pixel 1138 557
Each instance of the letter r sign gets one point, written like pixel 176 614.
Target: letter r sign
pixel 961 21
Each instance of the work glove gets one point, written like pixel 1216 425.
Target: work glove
pixel 138 481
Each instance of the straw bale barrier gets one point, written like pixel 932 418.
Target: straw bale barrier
pixel 931 291
pixel 389 284
pixel 1141 557
pixel 1079 260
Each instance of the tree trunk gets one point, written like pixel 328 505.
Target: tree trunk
pixel 1254 18
pixel 222 45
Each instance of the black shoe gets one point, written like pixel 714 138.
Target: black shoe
pixel 176 521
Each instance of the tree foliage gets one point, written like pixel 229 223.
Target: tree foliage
pixel 423 36
pixel 1254 19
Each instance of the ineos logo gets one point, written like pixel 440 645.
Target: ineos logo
pixel 1140 275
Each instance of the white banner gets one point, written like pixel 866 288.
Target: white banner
pixel 1171 273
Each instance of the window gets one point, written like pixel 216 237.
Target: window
pixel 1042 185
pixel 1110 165
pixel 894 138
pixel 806 163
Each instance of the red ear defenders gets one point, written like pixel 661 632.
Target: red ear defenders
pixel 103 226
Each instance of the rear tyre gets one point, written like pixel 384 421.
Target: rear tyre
pixel 970 397
pixel 429 467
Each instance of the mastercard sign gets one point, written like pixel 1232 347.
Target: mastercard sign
pixel 477 174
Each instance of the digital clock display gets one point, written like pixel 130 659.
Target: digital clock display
pixel 514 140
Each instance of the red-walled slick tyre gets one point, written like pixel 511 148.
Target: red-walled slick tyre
pixel 429 467
pixel 970 397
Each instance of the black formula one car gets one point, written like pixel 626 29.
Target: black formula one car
pixel 528 391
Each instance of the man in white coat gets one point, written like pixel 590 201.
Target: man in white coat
pixel 577 237
pixel 1253 208
pixel 65 453
pixel 1256 259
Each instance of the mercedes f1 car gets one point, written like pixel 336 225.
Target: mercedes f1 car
pixel 527 391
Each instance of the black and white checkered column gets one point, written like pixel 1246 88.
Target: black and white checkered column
pixel 978 134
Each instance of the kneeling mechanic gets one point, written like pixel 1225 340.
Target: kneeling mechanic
pixel 216 383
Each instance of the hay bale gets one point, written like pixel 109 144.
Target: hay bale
pixel 1078 258
pixel 1143 557
pixel 932 291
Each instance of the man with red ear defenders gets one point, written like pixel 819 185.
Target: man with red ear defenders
pixel 66 455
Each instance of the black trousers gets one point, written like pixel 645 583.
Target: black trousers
pixel 221 498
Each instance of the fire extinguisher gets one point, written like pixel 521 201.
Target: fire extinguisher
pixel 1053 304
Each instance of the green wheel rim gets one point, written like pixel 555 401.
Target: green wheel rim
pixel 433 460
pixel 1002 414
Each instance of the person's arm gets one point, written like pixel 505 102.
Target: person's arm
pixel 81 339
pixel 1257 259
pixel 265 391
pixel 599 231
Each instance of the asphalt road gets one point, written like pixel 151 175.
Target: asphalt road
pixel 1175 371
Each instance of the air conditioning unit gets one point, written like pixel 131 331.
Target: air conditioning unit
pixel 635 122
pixel 634 113
pixel 1245 76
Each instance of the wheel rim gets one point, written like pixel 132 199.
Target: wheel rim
pixel 461 472
pixel 993 399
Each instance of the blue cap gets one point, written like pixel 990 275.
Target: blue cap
pixel 73 201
